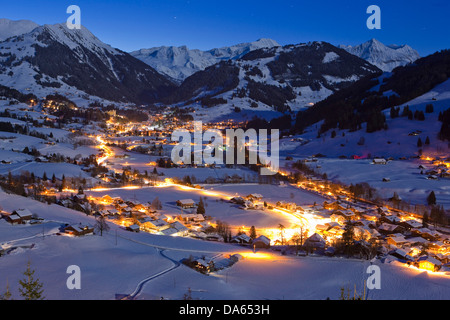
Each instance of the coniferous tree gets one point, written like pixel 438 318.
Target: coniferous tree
pixel 419 143
pixel 425 220
pixel 7 295
pixel 348 237
pixel 252 234
pixel 30 288
pixel 431 199
pixel 201 207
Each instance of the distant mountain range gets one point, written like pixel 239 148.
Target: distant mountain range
pixel 260 75
pixel 181 62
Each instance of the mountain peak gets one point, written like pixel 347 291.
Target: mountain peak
pixel 385 57
pixel 12 28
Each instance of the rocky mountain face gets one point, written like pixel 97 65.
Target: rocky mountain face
pixel 384 57
pixel 181 62
pixel 279 78
pixel 53 58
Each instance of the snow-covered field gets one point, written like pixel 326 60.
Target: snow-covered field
pixel 221 210
pixel 405 178
pixel 117 262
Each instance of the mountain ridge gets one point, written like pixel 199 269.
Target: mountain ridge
pixel 181 62
pixel 385 57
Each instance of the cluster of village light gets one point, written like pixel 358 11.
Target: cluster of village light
pixel 305 222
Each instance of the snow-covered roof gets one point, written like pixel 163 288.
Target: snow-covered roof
pixel 432 260
pixel 263 239
pixel 23 212
pixel 316 238
pixel 186 201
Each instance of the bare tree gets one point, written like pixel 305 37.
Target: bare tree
pixel 101 225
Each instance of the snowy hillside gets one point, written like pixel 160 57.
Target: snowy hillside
pixel 52 58
pixel 385 57
pixel 182 62
pixel 272 81
pixel 399 142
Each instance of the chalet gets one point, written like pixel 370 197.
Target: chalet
pixel 191 217
pixel 202 266
pixel 254 196
pixel 401 254
pixel 123 207
pixel 180 229
pixel 370 216
pixel 113 212
pixel 20 216
pixel 443 258
pixel 347 214
pixel 315 242
pixel 78 230
pixel 429 263
pixel 149 224
pixel 338 218
pixel 12 218
pixel 236 257
pixel 186 203
pixel 426 234
pixel 397 240
pixel 241 239
pixel 379 161
pixel 386 228
pixel 418 241
pixel 333 206
pixel 261 242
pixel 411 224
pixel 133 228
pixel 390 219
pixel 106 199
pixel 437 247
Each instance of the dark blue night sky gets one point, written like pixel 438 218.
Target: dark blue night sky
pixel 205 24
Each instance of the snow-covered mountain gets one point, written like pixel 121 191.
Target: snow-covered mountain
pixel 385 57
pixel 182 62
pixel 53 58
pixel 271 80
pixel 11 28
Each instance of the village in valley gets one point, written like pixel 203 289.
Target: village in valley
pixel 315 168
pixel 130 182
